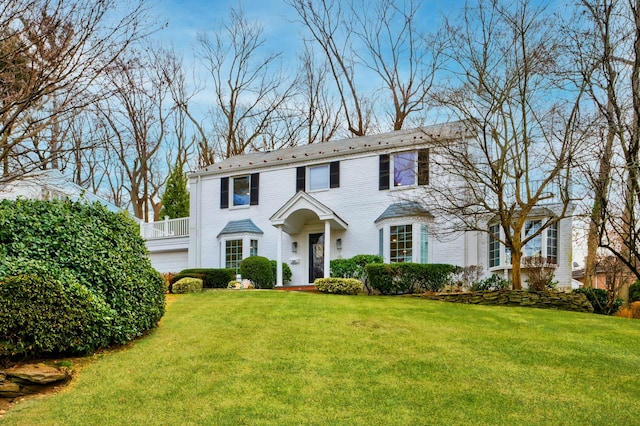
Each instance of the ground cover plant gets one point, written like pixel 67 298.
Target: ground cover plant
pixel 286 358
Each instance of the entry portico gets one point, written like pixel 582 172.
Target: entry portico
pixel 302 217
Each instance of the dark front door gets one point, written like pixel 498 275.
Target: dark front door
pixel 316 256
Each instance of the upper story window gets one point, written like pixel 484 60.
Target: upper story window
pixel 239 191
pixel 404 169
pixel 318 177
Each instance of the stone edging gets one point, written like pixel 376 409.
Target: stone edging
pixel 532 299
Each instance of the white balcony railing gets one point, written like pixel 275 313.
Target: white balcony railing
pixel 167 228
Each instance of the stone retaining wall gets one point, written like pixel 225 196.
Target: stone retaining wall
pixel 532 299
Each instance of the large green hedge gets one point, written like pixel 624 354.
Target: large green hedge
pixel 103 250
pixel 400 278
pixel 211 277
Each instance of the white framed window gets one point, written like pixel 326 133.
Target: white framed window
pixel 543 244
pixel 552 243
pixel 405 169
pixel 400 243
pixel 534 246
pixel 494 246
pixel 233 254
pixel 253 247
pixel 318 177
pixel 241 191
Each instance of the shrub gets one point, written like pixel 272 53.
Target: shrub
pixel 354 267
pixel 339 285
pixel 381 278
pixel 258 270
pixel 399 278
pixel 211 277
pixel 603 302
pixel 493 283
pixel 103 250
pixel 51 313
pixel 286 272
pixel 631 311
pixel 187 285
pixel 634 292
pixel 540 273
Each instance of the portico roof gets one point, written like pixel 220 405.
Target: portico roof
pixel 303 208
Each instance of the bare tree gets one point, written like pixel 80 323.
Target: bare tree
pixel 404 57
pixel 610 59
pixel 329 27
pixel 137 116
pixel 322 117
pixel 249 87
pixel 510 85
pixel 52 53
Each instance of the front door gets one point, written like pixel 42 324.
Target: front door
pixel 316 256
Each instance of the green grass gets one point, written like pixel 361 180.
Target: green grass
pixel 280 358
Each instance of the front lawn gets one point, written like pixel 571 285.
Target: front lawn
pixel 284 358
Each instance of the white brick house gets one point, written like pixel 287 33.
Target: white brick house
pixel 309 204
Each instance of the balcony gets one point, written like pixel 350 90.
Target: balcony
pixel 167 228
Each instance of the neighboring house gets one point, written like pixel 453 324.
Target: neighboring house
pixel 309 204
pixel 49 185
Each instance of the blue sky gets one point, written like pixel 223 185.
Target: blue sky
pixel 187 18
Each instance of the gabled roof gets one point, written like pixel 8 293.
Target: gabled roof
pixel 408 208
pixel 326 151
pixel 301 208
pixel 240 226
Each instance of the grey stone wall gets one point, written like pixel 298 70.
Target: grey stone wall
pixel 532 299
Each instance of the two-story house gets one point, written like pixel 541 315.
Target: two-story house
pixel 309 204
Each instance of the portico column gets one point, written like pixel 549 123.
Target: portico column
pixel 279 258
pixel 327 248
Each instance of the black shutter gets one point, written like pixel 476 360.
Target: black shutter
pixel 300 175
pixel 334 174
pixel 255 189
pixel 383 182
pixel 423 166
pixel 224 193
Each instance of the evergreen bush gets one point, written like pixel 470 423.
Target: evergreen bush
pixel 211 277
pixel 49 313
pixel 103 250
pixel 258 270
pixel 603 302
pixel 187 285
pixel 286 272
pixel 493 283
pixel 401 278
pixel 354 267
pixel 339 285
pixel 634 292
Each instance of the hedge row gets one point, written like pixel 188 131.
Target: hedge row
pixel 402 278
pixel 220 277
pixel 211 277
